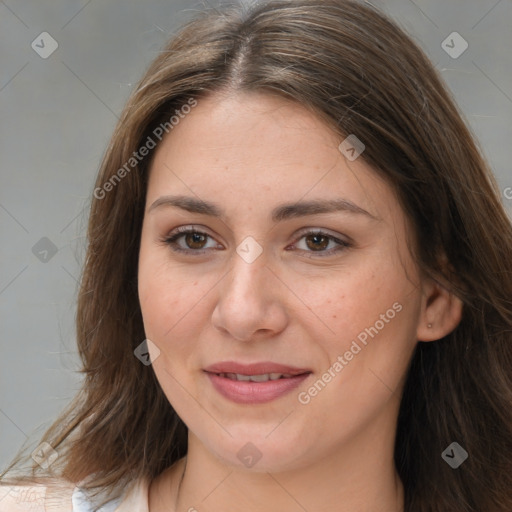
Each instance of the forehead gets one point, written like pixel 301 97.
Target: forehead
pixel 253 149
pixel 253 125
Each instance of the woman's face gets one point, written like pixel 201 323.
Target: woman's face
pixel 276 277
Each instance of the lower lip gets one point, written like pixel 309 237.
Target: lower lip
pixel 248 392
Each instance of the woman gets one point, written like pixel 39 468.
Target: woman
pixel 297 288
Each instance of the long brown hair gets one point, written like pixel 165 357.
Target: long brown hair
pixel 363 75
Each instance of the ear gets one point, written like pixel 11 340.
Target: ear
pixel 440 309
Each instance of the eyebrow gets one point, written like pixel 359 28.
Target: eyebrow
pixel 282 212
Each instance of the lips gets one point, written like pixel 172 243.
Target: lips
pixel 254 383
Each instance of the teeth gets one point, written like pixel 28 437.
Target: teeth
pixel 255 378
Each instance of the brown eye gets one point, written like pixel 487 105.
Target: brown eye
pixel 317 241
pixel 190 240
pixel 195 240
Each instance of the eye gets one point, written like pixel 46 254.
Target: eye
pixel 195 241
pixel 318 241
pixel 188 239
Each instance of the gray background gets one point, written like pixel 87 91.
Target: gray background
pixel 57 115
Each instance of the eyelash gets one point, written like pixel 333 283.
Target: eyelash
pixel 171 240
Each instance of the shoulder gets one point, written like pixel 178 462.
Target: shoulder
pixel 64 496
pixel 136 497
pixel 47 496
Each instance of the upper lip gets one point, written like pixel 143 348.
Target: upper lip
pixel 254 368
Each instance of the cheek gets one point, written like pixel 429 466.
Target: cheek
pixel 168 305
pixel 173 300
pixel 162 299
pixel 367 313
pixel 345 303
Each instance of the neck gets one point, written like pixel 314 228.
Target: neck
pixel 357 476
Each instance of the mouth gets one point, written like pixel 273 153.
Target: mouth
pixel 254 383
pixel 263 377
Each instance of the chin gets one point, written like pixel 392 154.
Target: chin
pixel 256 451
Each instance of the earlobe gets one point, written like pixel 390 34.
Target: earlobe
pixel 441 313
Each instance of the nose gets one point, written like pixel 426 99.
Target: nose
pixel 250 304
